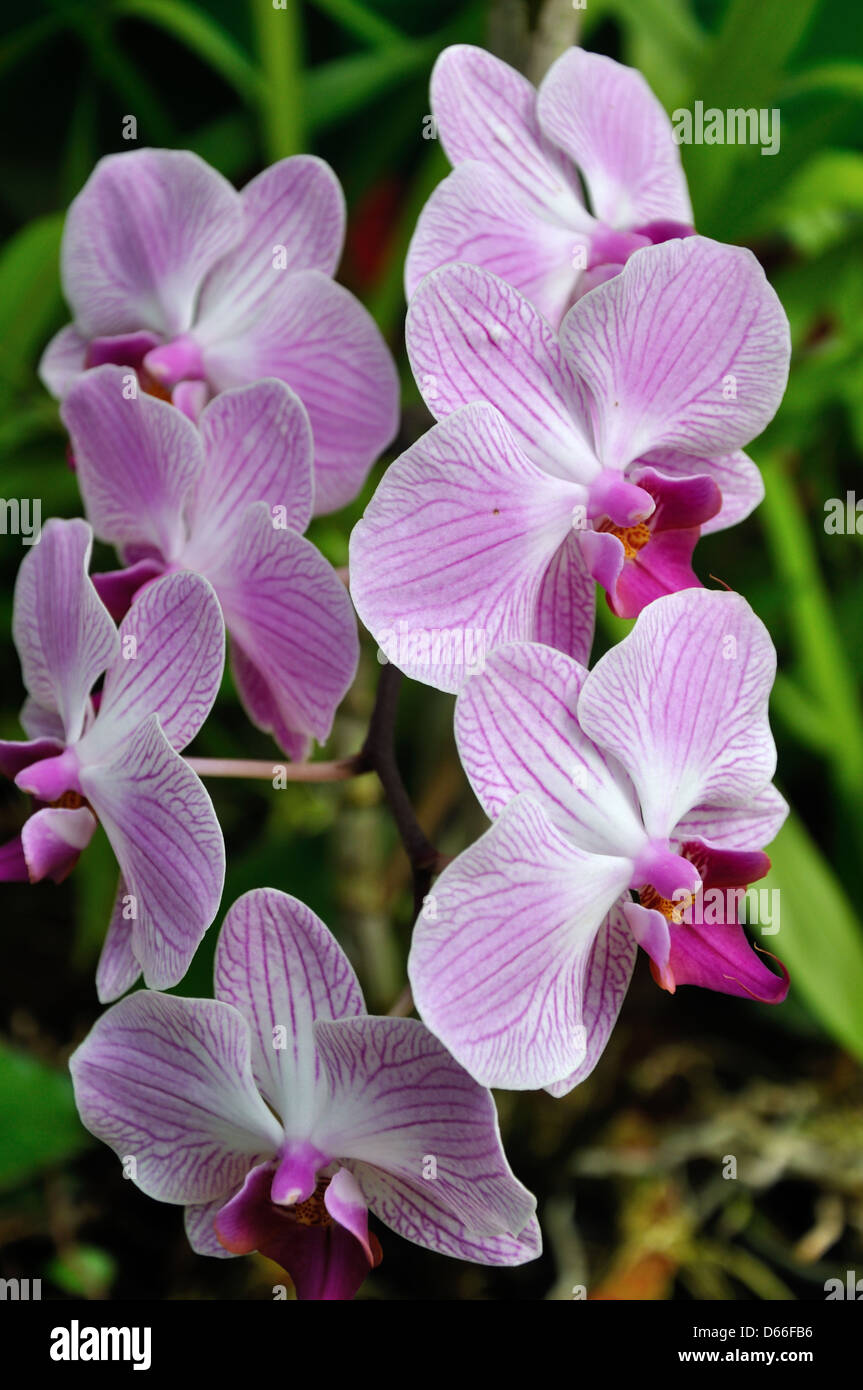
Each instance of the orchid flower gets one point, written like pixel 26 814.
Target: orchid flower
pixel 513 203
pixel 170 271
pixel 229 499
pixel 280 1113
pixel 650 775
pixel 600 453
pixel 113 756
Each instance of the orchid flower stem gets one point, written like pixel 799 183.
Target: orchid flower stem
pixel 279 43
pixel 820 647
pixel 337 771
pixel 376 755
pixel 378 752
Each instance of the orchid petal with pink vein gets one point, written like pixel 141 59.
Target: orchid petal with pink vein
pixel 228 500
pixel 280 1114
pixel 120 764
pixel 196 287
pixel 558 459
pixel 513 203
pixel 648 776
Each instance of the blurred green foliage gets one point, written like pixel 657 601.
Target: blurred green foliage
pixel 245 83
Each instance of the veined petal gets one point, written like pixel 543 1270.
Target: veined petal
pixel 566 606
pixel 140 237
pixel 498 971
pixel 169 846
pixel 486 110
pixel 63 361
pixel 451 556
pixel 118 967
pixel 471 337
pixel 280 967
pixel 136 460
pixel 681 702
pixel 755 821
pixel 294 210
pixel 687 348
pixel 63 632
pixel 517 731
pixel 289 613
pixel 606 980
pixel 40 723
pixel 172 653
pixel 423 1141
pixel 258 445
pixel 474 216
pixel 199 1222
pixel 608 121
pixel 314 335
pixel 167 1082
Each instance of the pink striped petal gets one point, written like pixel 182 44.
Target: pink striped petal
pixel 169 846
pixel 498 969
pixel 686 349
pixel 296 204
pixel 118 967
pixel 566 606
pixel 289 614
pixel 422 1141
pixel 471 337
pixel 474 216
pixel 172 653
pixel 280 967
pixel 451 556
pixel 136 461
pixel 517 731
pixel 757 820
pixel 140 237
pixel 167 1082
pixel 63 361
pixel 606 981
pixel 608 121
pixel 258 446
pixel 486 110
pixel 64 635
pixel 313 334
pixel 682 703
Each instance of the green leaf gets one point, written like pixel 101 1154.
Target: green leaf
pixel 40 1123
pixel 742 68
pixel 30 296
pixel 822 205
pixel 204 37
pixel 337 89
pixel 820 938
pixel 833 79
pixel 362 23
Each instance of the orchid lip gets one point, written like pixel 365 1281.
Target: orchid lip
pixel 669 875
pixel 624 503
pixel 176 361
pixel 296 1176
pixel 51 778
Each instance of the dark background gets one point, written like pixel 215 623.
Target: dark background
pixel 628 1169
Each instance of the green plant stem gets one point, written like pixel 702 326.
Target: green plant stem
pixel 278 34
